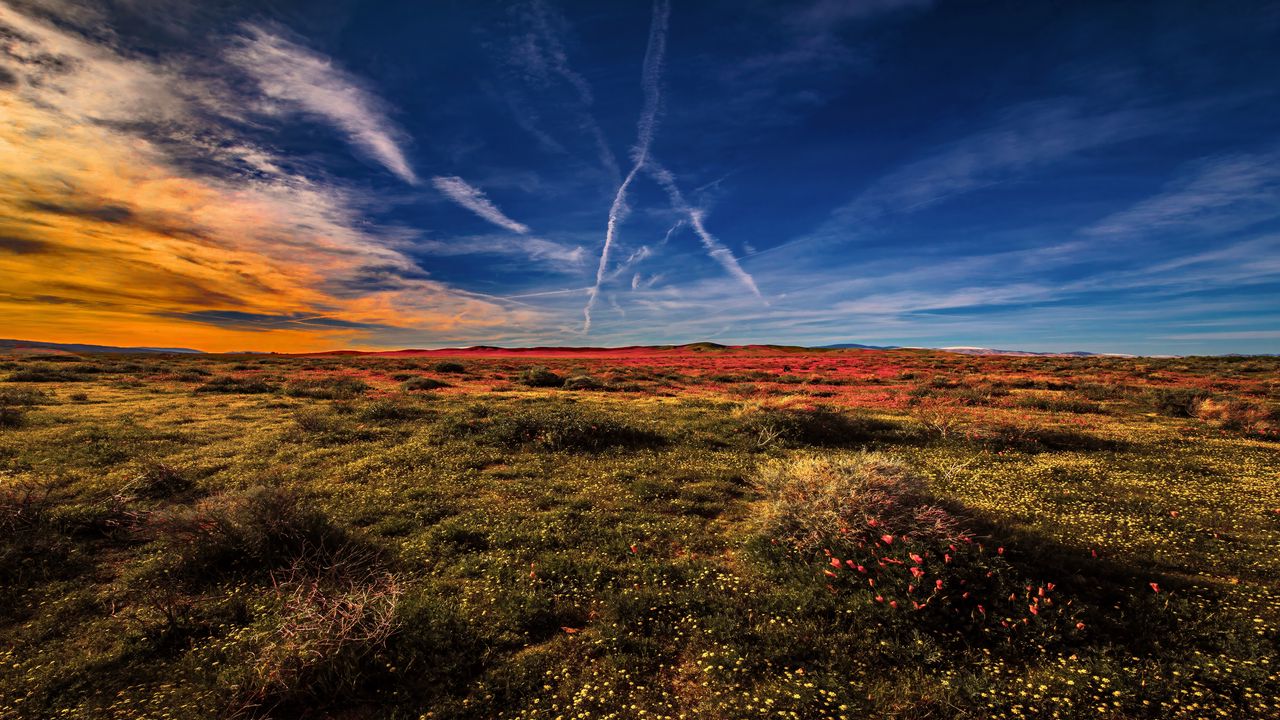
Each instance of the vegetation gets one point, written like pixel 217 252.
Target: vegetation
pixel 721 534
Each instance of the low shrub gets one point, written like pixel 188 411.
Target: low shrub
pixel 45 372
pixel 21 396
pixel 1175 402
pixel 449 367
pixel 556 427
pixel 258 528
pixel 423 384
pixel 155 479
pixel 582 382
pixel 1243 416
pixel 328 388
pixel 1057 403
pixel 390 409
pixel 765 426
pixel 320 639
pixel 866 522
pixel 233 384
pixel 814 501
pixel 12 417
pixel 539 376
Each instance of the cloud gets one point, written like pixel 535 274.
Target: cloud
pixel 651 77
pixel 471 198
pixel 1217 194
pixel 312 82
pixel 556 255
pixel 1028 137
pixel 713 246
pixel 138 175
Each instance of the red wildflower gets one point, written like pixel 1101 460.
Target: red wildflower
pixel 887 539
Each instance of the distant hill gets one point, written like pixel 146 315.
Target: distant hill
pixel 1025 353
pixel 33 345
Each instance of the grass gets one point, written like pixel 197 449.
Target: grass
pixel 805 534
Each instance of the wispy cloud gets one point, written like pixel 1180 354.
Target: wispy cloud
pixel 473 199
pixel 1218 193
pixel 164 233
pixel 1029 136
pixel 288 72
pixel 558 256
pixel 548 50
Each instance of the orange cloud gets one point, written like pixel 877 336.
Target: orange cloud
pixel 105 238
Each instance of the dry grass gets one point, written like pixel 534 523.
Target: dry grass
pixel 810 501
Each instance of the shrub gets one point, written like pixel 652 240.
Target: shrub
pixel 45 372
pixel 557 427
pixel 11 417
pixel 767 426
pixel 810 502
pixel 582 382
pixel 1242 416
pixel 155 479
pixel 1056 403
pixel 1175 402
pixel 262 527
pixel 539 376
pixel 449 367
pixel 232 384
pixel 424 383
pixel 326 626
pixel 13 396
pixel 390 409
pixel 330 388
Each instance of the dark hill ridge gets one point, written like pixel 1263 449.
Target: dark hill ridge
pixel 29 345
pixel 35 346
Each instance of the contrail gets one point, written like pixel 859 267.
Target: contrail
pixel 560 64
pixel 650 78
pixel 714 247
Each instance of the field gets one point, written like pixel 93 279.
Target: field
pixel 694 532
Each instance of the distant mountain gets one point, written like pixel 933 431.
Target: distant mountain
pixel 1025 353
pixel 29 345
pixel 856 346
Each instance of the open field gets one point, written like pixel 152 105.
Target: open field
pixel 695 532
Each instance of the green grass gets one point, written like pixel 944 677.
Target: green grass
pixel 286 537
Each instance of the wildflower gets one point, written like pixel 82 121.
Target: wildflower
pixel 887 539
pixel 633 549
pixel 1033 609
pixel 1155 587
pixel 917 559
pixel 835 562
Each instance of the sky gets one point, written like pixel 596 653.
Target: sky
pixel 296 176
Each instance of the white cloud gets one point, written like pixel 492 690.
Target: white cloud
pixel 471 198
pixel 297 75
pixel 1224 191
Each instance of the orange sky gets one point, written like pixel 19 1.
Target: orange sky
pixel 104 239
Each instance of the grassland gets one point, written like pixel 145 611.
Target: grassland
pixel 698 534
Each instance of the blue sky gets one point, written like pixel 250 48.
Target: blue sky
pixel 286 175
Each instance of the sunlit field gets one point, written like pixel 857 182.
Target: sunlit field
pixel 696 532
